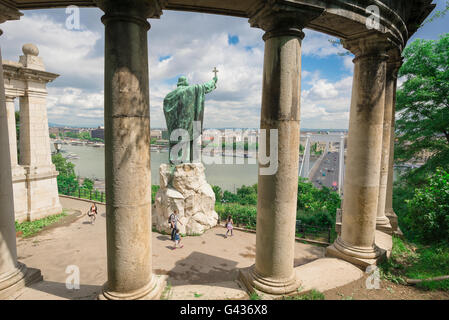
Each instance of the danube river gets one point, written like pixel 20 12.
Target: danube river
pixel 228 176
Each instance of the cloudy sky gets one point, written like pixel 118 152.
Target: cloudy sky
pixel 187 44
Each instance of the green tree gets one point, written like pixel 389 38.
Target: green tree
pixel 85 135
pixel 437 14
pixel 218 193
pixel 88 184
pixel 72 135
pixel 428 211
pixel 247 195
pixel 423 105
pixel 316 206
pixel 52 136
pixel 66 178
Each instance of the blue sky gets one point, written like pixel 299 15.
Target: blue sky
pixel 203 42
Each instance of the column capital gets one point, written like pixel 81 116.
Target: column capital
pixel 136 10
pixel 278 19
pixel 8 12
pixel 394 63
pixel 371 44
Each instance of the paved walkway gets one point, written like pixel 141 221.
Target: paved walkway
pixel 206 267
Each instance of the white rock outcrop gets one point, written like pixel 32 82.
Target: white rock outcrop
pixel 185 188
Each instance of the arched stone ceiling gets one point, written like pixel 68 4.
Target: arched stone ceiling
pixel 340 18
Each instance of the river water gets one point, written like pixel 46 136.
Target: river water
pixel 228 176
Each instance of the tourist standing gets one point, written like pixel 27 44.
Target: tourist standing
pixel 229 226
pixel 173 220
pixel 92 213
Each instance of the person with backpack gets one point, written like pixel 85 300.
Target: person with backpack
pixel 173 221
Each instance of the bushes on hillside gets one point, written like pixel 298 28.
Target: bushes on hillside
pixel 428 210
pixel 67 177
pixel 315 206
pixel 241 214
pixel 246 195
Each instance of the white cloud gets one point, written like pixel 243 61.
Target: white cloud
pixel 327 104
pixel 190 44
pixel 66 52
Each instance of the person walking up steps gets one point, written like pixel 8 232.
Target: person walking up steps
pixel 229 224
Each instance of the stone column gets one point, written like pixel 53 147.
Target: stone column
pixel 383 222
pixel 34 141
pixel 127 151
pixel 10 112
pixel 341 163
pixel 356 243
pixel 18 172
pixel 389 212
pixel 273 272
pixel 13 274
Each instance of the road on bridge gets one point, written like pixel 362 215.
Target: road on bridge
pixel 327 173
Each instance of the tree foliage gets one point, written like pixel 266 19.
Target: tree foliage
pixel 218 193
pixel 67 177
pixel 437 14
pixel 88 184
pixel 317 206
pixel 428 210
pixel 423 104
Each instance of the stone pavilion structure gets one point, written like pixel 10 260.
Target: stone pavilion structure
pixel 376 41
pixel 33 175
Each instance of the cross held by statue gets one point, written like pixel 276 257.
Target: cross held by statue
pixel 215 71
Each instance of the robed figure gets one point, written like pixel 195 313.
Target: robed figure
pixel 183 107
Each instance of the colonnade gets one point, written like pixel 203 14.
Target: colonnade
pixel 127 152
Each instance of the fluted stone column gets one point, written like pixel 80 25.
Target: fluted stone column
pixel 389 212
pixel 356 243
pixel 273 272
pixel 127 151
pixel 383 222
pixel 13 274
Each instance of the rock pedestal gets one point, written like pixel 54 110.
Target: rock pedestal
pixel 184 188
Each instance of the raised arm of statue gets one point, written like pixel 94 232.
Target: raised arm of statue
pixel 210 86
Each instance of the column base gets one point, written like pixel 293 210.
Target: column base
pixel 152 291
pixel 383 224
pixel 393 218
pixel 362 257
pixel 42 213
pixel 18 279
pixel 268 286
